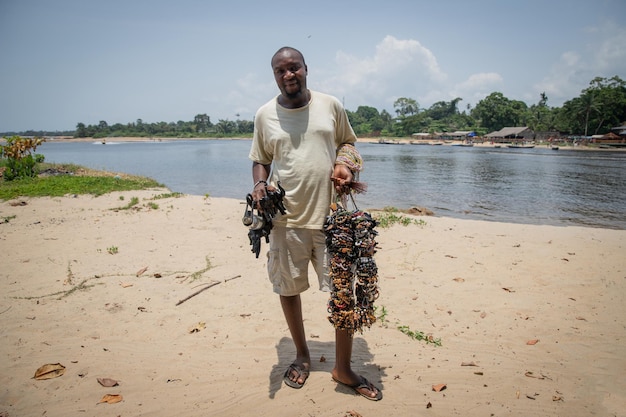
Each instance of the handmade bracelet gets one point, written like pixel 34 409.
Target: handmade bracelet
pixel 259 182
pixel 348 155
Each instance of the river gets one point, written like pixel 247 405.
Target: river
pixel 531 186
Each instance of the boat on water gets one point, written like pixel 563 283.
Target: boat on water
pixel 390 142
pixel 520 146
pixel 465 145
pixel 425 143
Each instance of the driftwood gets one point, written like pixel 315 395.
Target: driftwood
pixel 206 287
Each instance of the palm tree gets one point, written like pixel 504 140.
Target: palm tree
pixel 585 106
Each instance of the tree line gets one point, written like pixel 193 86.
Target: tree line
pixel 599 107
pixel 200 126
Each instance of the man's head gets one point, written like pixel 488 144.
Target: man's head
pixel 290 73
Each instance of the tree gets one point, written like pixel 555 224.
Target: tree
pixel 442 109
pixel 387 120
pixel 202 122
pixel 81 131
pixel 540 117
pixel 366 120
pixel 496 111
pixel 406 107
pixel 599 107
pixel 245 126
pixel 607 103
pixel 225 127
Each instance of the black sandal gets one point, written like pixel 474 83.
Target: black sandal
pixel 302 373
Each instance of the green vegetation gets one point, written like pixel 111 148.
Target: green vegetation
pixel 57 180
pixel 167 195
pixel 381 314
pixel 390 216
pixel 198 274
pixel 25 174
pixel 200 127
pixel 19 160
pixel 599 107
pixel 419 336
pixel 132 203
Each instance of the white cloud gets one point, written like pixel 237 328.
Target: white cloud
pixel 573 72
pixel 399 68
pixel 477 86
pixel 611 55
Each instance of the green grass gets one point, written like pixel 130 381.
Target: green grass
pixel 72 179
pixel 390 216
pixel 419 336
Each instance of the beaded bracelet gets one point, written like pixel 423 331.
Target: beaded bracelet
pixel 259 182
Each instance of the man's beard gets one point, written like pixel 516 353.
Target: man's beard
pixel 294 95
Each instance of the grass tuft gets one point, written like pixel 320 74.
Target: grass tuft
pixel 56 180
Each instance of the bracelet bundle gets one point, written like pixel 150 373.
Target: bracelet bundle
pixel 350 239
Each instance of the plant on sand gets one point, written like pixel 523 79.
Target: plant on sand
pixel 389 216
pixel 20 160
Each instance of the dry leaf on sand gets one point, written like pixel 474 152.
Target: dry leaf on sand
pixel 107 382
pixel 141 271
pixel 111 399
pixel 532 342
pixel 48 371
pixel 200 326
pixel 439 387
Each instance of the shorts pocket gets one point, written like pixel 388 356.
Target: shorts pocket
pixel 273 267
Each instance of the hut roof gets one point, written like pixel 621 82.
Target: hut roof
pixel 460 133
pixel 621 130
pixel 507 131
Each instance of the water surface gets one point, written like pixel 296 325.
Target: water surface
pixel 532 186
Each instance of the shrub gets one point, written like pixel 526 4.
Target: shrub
pixel 21 162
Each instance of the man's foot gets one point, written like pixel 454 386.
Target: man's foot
pixel 363 387
pixel 296 375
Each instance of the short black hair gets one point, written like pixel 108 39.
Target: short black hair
pixel 289 48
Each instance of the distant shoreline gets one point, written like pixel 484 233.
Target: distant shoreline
pixel 400 142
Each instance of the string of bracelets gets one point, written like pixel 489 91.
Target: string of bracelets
pixel 351 244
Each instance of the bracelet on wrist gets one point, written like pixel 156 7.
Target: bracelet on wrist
pixel 259 182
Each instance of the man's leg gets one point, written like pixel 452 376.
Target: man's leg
pixel 343 372
pixel 292 309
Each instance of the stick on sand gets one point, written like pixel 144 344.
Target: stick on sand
pixel 212 284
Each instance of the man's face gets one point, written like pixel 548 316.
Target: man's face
pixel 290 73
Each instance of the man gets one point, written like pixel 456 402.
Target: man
pixel 296 138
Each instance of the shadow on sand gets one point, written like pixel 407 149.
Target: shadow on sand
pixel 361 362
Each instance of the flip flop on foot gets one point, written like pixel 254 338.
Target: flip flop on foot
pixel 363 384
pixel 300 371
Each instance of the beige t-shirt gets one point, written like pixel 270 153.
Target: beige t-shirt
pixel 301 144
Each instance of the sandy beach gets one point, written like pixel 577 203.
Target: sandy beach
pixel 531 319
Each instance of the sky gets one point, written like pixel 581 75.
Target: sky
pixel 64 62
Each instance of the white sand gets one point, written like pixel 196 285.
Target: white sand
pixel 485 289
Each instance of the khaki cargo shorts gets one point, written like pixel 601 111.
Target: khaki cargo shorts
pixel 291 251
